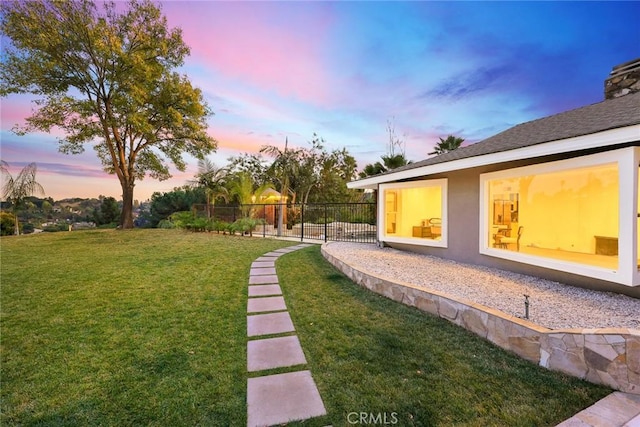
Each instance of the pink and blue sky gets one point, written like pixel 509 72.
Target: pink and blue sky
pixel 276 70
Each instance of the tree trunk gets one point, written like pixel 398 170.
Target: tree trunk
pixel 17 225
pixel 126 218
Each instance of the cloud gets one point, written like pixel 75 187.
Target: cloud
pixel 14 109
pixel 273 46
pixel 65 169
pixel 472 82
pixel 276 70
pixel 72 170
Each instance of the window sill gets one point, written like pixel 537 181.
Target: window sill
pixel 419 241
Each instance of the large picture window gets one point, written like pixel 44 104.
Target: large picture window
pixel 578 216
pixel 557 212
pixel 414 212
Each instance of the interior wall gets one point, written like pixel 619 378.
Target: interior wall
pixel 566 210
pixel 416 205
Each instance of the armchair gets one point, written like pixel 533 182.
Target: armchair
pixel 505 241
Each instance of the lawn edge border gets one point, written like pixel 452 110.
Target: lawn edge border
pixel 607 356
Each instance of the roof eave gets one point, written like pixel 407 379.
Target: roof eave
pixel 584 142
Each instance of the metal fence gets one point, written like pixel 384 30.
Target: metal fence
pixel 353 222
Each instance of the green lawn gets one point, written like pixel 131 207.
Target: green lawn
pixel 148 327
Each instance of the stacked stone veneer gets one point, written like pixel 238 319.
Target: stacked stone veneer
pixel 603 356
pixel 623 80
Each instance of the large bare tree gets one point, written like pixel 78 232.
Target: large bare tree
pixel 107 78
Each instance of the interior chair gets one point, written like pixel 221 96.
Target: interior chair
pixel 436 227
pixel 505 241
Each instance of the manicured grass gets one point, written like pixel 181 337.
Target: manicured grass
pixel 125 328
pixel 148 327
pixel 373 355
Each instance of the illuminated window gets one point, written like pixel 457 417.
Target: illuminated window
pixel 569 215
pixel 415 212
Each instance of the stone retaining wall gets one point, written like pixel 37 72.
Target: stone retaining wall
pixel 602 356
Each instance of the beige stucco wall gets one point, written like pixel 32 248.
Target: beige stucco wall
pixel 463 245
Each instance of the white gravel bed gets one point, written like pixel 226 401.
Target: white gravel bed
pixel 552 304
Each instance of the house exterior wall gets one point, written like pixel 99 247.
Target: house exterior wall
pixel 464 206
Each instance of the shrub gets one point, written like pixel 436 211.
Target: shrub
pixel 181 219
pixel 197 224
pixel 321 220
pixel 188 221
pixel 7 224
pixel 166 224
pixel 221 226
pixel 246 225
pixel 56 227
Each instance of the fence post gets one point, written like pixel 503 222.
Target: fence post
pixel 325 223
pixel 264 221
pixel 302 222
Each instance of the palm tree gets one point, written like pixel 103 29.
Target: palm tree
pixel 242 188
pixel 213 180
pixel 371 169
pixel 389 162
pixel 246 192
pixel 394 158
pixel 446 145
pixel 16 190
pixel 394 161
pixel 285 165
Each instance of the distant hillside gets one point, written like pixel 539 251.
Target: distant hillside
pixel 77 204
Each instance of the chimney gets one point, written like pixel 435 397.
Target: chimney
pixel 623 80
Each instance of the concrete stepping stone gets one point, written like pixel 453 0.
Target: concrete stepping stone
pixel 263 264
pixel 277 399
pixel 297 247
pixel 257 305
pixel 264 290
pixel 273 254
pixel 265 258
pixel 263 280
pixel 634 422
pixel 262 271
pixel 273 353
pixel 268 324
pixel 616 409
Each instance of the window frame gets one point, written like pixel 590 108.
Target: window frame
pixel 626 160
pixel 383 237
pixel 633 163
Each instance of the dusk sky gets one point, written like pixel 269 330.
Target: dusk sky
pixel 276 70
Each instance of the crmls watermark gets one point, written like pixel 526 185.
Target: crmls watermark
pixel 372 418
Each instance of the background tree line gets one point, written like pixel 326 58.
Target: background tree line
pixel 50 215
pixel 311 174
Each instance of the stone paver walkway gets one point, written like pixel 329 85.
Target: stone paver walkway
pixel 280 398
pixel 616 410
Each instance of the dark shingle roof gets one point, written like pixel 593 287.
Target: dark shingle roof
pixel 605 115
